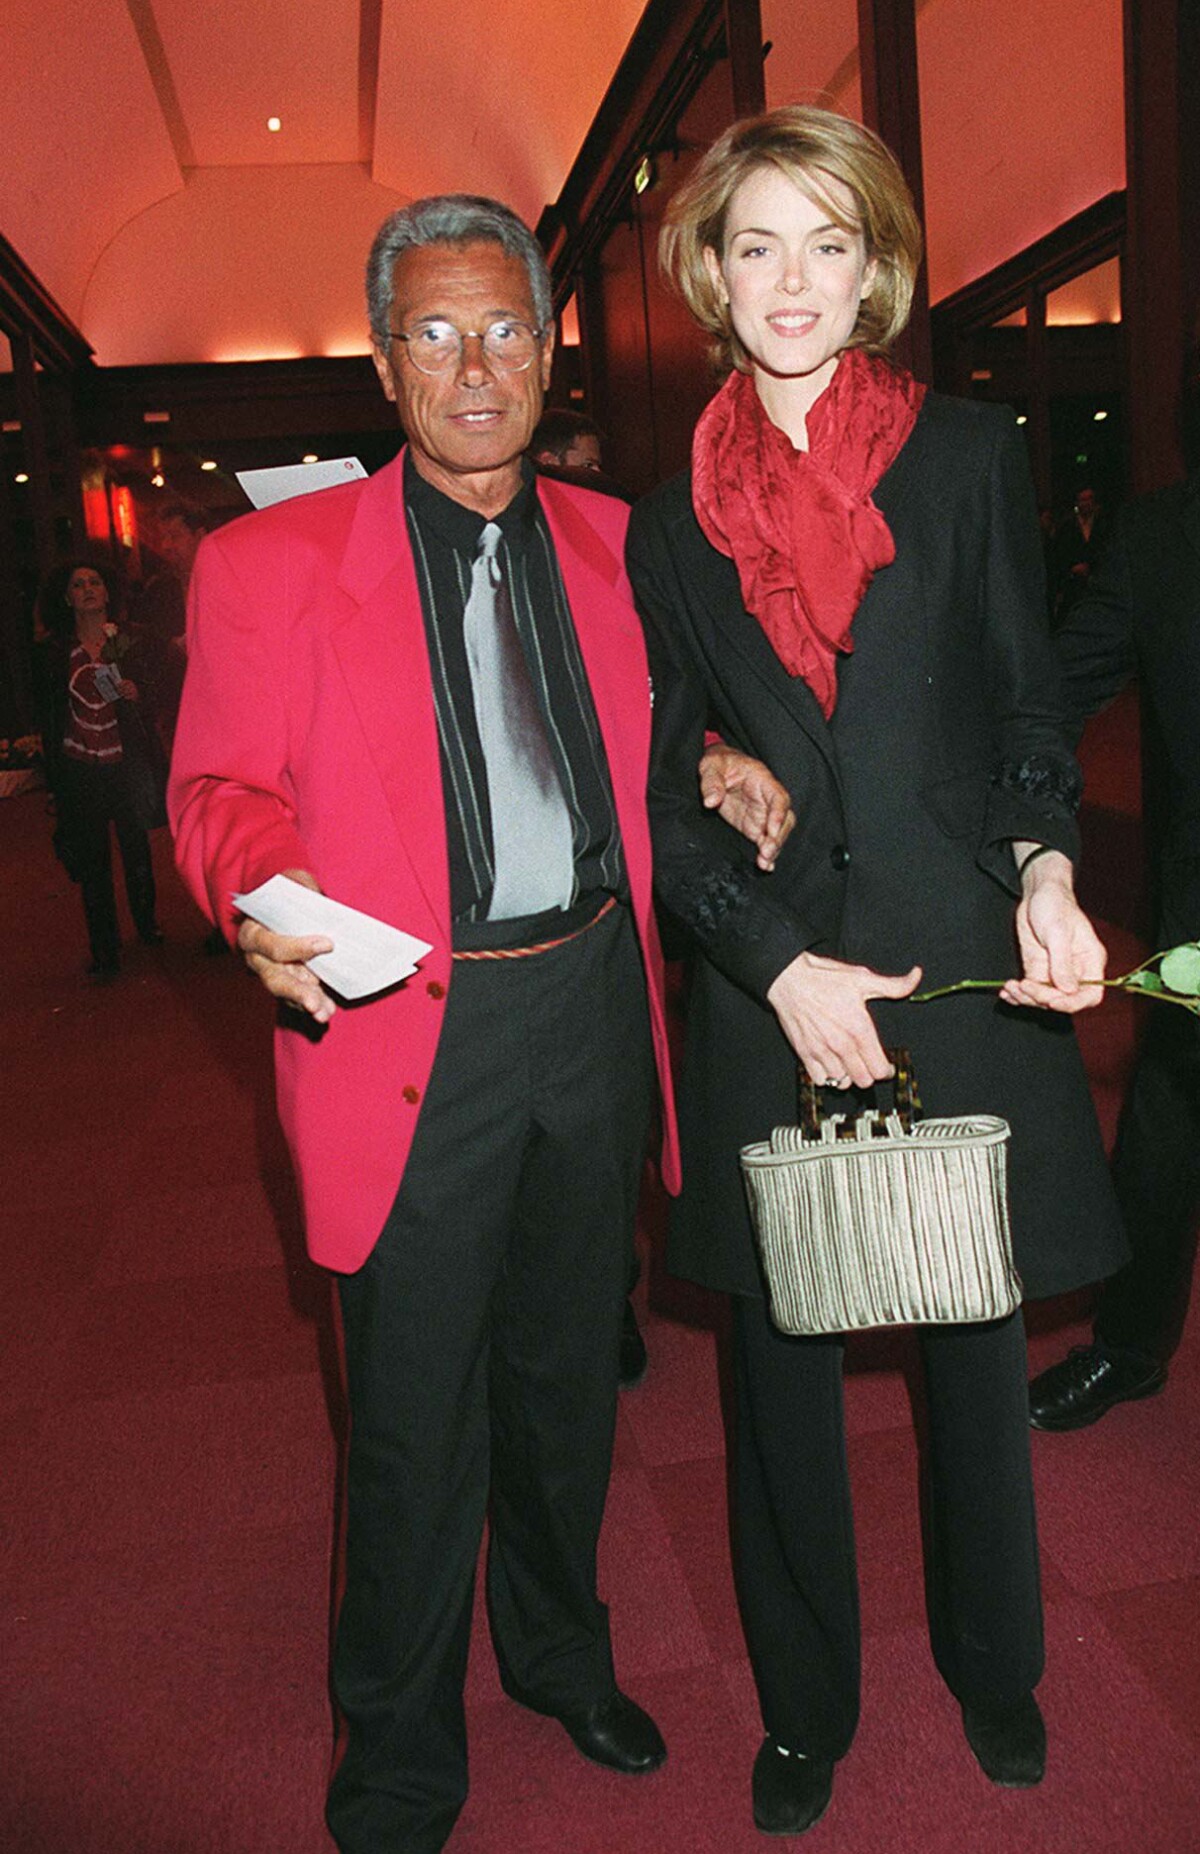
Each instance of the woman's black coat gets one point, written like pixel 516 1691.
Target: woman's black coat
pixel 945 747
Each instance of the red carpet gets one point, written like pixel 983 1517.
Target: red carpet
pixel 167 1454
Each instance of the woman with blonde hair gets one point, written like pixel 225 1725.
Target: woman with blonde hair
pixel 848 585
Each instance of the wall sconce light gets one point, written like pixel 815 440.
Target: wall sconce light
pixel 643 174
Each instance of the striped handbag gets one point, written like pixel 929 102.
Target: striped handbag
pixel 883 1219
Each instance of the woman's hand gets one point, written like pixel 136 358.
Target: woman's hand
pixel 749 797
pixel 1060 949
pixel 278 960
pixel 821 1005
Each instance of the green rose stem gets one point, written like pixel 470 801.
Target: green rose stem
pixel 1172 977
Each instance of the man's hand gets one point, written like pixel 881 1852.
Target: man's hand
pixel 821 1005
pixel 128 691
pixel 748 796
pixel 278 959
pixel 1060 949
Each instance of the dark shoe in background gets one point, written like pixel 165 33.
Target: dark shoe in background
pixel 1087 1383
pixel 1008 1741
pixel 634 1358
pixel 789 1792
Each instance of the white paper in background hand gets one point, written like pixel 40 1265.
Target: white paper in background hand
pixel 368 955
pixel 108 682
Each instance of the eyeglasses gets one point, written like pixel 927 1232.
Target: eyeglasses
pixel 435 347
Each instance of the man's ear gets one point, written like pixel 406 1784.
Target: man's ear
pixel 383 367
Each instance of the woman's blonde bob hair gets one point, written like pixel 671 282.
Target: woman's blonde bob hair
pixel 811 146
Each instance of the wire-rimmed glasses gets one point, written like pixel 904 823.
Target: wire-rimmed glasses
pixel 435 347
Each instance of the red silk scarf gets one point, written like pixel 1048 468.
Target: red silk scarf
pixel 800 526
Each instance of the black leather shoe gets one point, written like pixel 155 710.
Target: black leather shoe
pixel 1009 1742
pixel 789 1792
pixel 634 1359
pixel 618 1734
pixel 1089 1381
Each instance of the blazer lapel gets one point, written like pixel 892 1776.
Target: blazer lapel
pixel 741 631
pixel 380 643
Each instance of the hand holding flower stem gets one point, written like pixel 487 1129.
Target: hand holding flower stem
pixel 1171 977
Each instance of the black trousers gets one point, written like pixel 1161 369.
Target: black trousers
pixel 793 1528
pixel 1156 1170
pixel 90 800
pixel 482 1343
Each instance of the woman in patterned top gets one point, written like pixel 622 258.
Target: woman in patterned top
pixel 103 760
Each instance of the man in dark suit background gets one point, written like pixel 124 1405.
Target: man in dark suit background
pixel 1141 615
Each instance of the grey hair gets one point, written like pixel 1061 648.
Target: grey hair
pixel 451 219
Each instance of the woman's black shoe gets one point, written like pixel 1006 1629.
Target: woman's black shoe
pixel 790 1792
pixel 1009 1741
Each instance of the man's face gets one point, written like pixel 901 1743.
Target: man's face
pixel 466 427
pixel 583 453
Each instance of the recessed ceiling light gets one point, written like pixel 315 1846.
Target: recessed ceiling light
pixel 1021 419
pixel 310 457
pixel 1099 416
pixel 157 480
pixel 274 124
pixel 208 464
pixel 22 476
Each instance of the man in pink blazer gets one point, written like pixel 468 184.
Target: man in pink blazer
pixel 469 1144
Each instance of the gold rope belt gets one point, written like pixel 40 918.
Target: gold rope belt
pixel 543 946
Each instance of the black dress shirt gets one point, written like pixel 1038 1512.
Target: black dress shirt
pixel 445 540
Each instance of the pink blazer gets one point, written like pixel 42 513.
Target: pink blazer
pixel 307 740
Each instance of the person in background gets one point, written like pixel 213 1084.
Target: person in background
pixel 1078 543
pixel 1140 615
pixel 159 603
pixel 567 440
pixel 104 763
pixel 848 586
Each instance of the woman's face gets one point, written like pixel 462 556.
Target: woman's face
pixel 87 594
pixel 792 278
